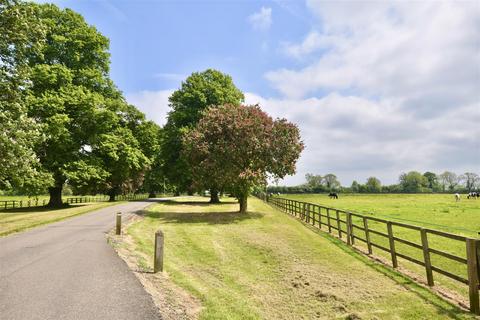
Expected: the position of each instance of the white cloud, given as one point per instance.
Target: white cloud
(400, 84)
(313, 41)
(261, 20)
(408, 51)
(355, 138)
(153, 103)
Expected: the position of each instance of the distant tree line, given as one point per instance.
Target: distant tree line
(410, 182)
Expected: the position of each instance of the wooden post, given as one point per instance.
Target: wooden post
(473, 282)
(426, 257)
(307, 212)
(158, 260)
(349, 229)
(320, 217)
(339, 225)
(392, 244)
(328, 221)
(119, 224)
(367, 235)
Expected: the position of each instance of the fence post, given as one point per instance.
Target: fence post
(338, 225)
(328, 221)
(473, 282)
(119, 224)
(158, 260)
(320, 217)
(392, 244)
(367, 235)
(426, 257)
(349, 229)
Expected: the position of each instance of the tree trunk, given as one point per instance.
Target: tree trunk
(152, 195)
(243, 204)
(214, 196)
(55, 196)
(112, 195)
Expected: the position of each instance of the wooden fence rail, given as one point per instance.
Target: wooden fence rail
(124, 197)
(12, 204)
(332, 219)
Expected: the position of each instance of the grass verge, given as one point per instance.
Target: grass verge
(266, 265)
(16, 220)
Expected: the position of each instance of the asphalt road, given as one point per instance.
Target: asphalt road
(67, 270)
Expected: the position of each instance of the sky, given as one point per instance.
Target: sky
(377, 88)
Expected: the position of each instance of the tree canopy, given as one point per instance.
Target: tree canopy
(65, 116)
(21, 35)
(236, 147)
(199, 91)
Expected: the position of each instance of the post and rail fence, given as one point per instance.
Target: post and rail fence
(12, 204)
(30, 203)
(341, 223)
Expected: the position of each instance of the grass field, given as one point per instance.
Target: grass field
(15, 220)
(433, 211)
(18, 198)
(266, 265)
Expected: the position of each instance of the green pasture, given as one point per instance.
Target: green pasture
(19, 219)
(432, 211)
(24, 198)
(266, 265)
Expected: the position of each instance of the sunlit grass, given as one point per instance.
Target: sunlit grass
(433, 211)
(266, 265)
(15, 220)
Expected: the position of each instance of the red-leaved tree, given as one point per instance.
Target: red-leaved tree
(237, 147)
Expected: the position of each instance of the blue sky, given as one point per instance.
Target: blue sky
(155, 44)
(376, 87)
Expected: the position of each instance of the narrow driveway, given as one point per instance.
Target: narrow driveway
(67, 270)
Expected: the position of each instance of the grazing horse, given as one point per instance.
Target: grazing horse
(457, 197)
(473, 195)
(333, 195)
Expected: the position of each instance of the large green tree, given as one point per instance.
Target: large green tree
(91, 137)
(432, 180)
(199, 91)
(21, 34)
(412, 181)
(373, 185)
(238, 147)
(70, 83)
(331, 182)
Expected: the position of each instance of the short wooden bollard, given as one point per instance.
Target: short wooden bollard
(158, 259)
(119, 224)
